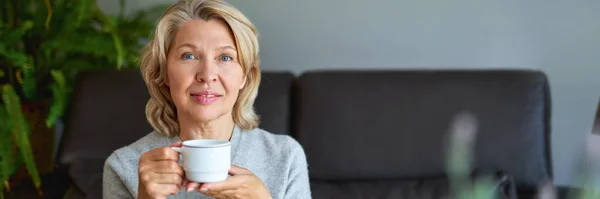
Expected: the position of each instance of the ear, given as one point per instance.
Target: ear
(244, 82)
(167, 80)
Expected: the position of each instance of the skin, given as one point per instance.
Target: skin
(202, 57)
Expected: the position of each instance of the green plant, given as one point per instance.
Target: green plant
(44, 44)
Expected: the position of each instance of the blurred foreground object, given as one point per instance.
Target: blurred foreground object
(589, 176)
(463, 134)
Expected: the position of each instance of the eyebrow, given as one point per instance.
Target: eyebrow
(226, 47)
(192, 46)
(186, 45)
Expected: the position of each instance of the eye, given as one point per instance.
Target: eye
(225, 58)
(188, 56)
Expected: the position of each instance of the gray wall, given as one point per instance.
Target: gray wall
(560, 37)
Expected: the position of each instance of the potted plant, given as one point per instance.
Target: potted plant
(44, 44)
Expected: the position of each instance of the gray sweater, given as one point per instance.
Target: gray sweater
(278, 160)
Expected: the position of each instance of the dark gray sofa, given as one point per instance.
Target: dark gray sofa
(366, 134)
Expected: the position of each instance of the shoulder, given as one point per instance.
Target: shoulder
(284, 144)
(277, 160)
(132, 152)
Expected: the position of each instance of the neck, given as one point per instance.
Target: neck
(218, 129)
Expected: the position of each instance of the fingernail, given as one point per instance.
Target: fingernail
(189, 189)
(203, 189)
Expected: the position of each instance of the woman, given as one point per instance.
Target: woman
(202, 72)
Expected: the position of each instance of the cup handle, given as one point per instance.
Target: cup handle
(178, 149)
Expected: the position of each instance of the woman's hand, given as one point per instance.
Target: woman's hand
(160, 173)
(241, 184)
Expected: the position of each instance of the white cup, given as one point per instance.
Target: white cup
(205, 160)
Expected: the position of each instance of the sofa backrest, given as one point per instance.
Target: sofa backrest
(107, 112)
(374, 125)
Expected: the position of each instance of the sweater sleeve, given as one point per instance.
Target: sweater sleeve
(298, 181)
(112, 185)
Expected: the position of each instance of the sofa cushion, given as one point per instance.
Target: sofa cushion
(273, 103)
(392, 124)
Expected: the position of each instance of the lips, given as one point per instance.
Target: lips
(206, 97)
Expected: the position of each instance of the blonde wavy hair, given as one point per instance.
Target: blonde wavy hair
(160, 109)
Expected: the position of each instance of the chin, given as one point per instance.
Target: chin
(206, 115)
(204, 119)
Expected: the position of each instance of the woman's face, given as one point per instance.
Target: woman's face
(203, 71)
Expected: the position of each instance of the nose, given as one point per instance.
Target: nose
(207, 72)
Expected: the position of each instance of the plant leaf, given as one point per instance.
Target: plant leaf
(59, 92)
(118, 44)
(20, 131)
(7, 162)
(26, 26)
(119, 48)
(15, 58)
(85, 7)
(10, 36)
(29, 81)
(83, 43)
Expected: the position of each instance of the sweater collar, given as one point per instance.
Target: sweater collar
(235, 139)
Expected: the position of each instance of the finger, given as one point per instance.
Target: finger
(161, 178)
(225, 194)
(166, 189)
(185, 183)
(235, 170)
(164, 166)
(176, 144)
(163, 153)
(233, 182)
(161, 190)
(192, 186)
(166, 178)
(167, 166)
